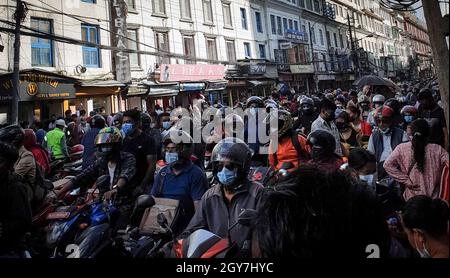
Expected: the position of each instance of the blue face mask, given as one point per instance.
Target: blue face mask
(369, 179)
(408, 118)
(171, 157)
(166, 125)
(127, 128)
(226, 177)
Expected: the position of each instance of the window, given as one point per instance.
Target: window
(259, 27)
(227, 15)
(244, 19)
(285, 24)
(304, 29)
(273, 24)
(279, 27)
(41, 49)
(309, 5)
(132, 44)
(131, 4)
(295, 25)
(231, 51)
(328, 39)
(341, 40)
(211, 48)
(313, 36)
(159, 7)
(247, 50)
(189, 48)
(91, 55)
(262, 51)
(185, 8)
(290, 24)
(302, 3)
(340, 11)
(335, 40)
(321, 36)
(89, 1)
(316, 6)
(207, 11)
(162, 44)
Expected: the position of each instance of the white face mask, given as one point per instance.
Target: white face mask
(424, 252)
(369, 179)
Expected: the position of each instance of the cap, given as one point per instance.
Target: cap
(387, 111)
(60, 122)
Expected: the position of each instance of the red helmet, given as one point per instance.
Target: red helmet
(77, 150)
(409, 109)
(30, 138)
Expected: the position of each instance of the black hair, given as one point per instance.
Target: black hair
(344, 115)
(82, 112)
(354, 110)
(359, 157)
(420, 130)
(430, 215)
(319, 215)
(327, 104)
(133, 114)
(9, 152)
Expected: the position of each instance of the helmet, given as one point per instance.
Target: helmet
(117, 119)
(98, 121)
(108, 135)
(255, 101)
(378, 99)
(30, 139)
(394, 104)
(329, 96)
(424, 94)
(307, 100)
(300, 97)
(270, 104)
(321, 142)
(12, 134)
(363, 99)
(77, 150)
(60, 122)
(384, 111)
(285, 121)
(145, 118)
(235, 150)
(409, 109)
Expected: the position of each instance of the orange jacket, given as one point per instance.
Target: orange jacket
(286, 152)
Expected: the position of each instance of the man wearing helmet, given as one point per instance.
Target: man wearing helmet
(377, 101)
(291, 147)
(180, 179)
(88, 141)
(220, 206)
(119, 165)
(307, 115)
(385, 137)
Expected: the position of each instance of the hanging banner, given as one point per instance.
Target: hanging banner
(119, 39)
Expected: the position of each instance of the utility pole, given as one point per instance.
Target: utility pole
(19, 17)
(312, 57)
(437, 32)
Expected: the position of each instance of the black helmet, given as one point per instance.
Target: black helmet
(12, 134)
(284, 119)
(255, 101)
(424, 94)
(98, 121)
(322, 143)
(394, 104)
(117, 119)
(146, 119)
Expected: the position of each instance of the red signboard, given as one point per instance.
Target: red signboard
(191, 72)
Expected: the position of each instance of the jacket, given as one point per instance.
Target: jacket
(55, 142)
(286, 152)
(25, 166)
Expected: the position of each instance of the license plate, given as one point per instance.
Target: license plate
(58, 215)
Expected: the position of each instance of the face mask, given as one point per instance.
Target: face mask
(166, 125)
(253, 111)
(307, 110)
(105, 151)
(152, 125)
(159, 111)
(424, 252)
(171, 157)
(369, 179)
(226, 177)
(127, 128)
(408, 118)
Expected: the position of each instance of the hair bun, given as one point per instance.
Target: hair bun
(440, 207)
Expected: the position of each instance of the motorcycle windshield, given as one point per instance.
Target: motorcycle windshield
(199, 242)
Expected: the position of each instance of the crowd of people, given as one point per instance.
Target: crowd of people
(343, 147)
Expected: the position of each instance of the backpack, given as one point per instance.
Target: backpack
(296, 143)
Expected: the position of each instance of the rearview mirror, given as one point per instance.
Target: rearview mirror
(247, 217)
(145, 201)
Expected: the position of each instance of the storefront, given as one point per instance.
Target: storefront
(303, 77)
(103, 97)
(326, 81)
(136, 97)
(162, 94)
(41, 94)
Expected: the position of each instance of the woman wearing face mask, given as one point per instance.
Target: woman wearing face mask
(349, 137)
(363, 166)
(409, 114)
(418, 164)
(425, 221)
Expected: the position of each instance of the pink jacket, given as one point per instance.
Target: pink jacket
(398, 163)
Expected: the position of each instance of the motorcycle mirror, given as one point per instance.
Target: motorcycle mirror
(247, 217)
(162, 220)
(145, 201)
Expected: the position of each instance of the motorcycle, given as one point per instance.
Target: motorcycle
(72, 166)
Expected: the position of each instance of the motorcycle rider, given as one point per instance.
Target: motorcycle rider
(377, 101)
(88, 141)
(39, 153)
(55, 141)
(323, 155)
(220, 206)
(119, 165)
(307, 116)
(291, 147)
(25, 165)
(180, 179)
(15, 210)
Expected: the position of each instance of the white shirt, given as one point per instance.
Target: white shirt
(111, 169)
(387, 147)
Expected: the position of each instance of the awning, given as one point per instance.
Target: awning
(256, 83)
(163, 90)
(135, 91)
(189, 87)
(216, 85)
(101, 83)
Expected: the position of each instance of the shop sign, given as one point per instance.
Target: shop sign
(325, 77)
(36, 86)
(309, 68)
(253, 69)
(121, 58)
(186, 87)
(190, 72)
(216, 86)
(295, 36)
(285, 45)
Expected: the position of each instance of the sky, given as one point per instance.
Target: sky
(444, 9)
